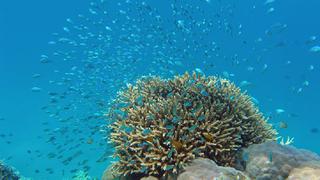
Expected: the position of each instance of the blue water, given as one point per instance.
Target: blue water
(266, 52)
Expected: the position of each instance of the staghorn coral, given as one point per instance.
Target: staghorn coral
(158, 126)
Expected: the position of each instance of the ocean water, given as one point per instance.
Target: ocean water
(62, 63)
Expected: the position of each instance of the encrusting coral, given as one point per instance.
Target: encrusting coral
(160, 125)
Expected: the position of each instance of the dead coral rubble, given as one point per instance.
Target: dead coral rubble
(160, 125)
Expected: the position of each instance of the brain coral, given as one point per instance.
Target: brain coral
(158, 125)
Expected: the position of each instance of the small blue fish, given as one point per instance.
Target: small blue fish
(245, 156)
(198, 70)
(201, 118)
(187, 104)
(139, 100)
(315, 49)
(192, 128)
(176, 119)
(204, 93)
(36, 89)
(270, 156)
(146, 132)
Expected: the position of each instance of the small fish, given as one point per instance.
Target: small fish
(280, 111)
(51, 155)
(269, 2)
(311, 40)
(225, 74)
(265, 67)
(73, 170)
(314, 130)
(293, 115)
(149, 139)
(315, 49)
(177, 145)
(270, 10)
(207, 136)
(178, 63)
(245, 156)
(270, 156)
(44, 61)
(89, 141)
(250, 68)
(108, 28)
(52, 42)
(36, 75)
(198, 70)
(283, 125)
(311, 67)
(66, 29)
(245, 83)
(36, 89)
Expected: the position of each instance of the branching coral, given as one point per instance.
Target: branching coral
(160, 125)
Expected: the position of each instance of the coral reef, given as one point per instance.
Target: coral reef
(7, 173)
(160, 125)
(275, 161)
(266, 161)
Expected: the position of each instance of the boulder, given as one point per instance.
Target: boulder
(312, 173)
(206, 169)
(274, 161)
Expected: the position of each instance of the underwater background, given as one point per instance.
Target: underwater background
(62, 63)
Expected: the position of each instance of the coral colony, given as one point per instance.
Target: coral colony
(160, 125)
(7, 173)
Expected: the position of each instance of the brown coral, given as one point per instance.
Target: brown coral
(160, 125)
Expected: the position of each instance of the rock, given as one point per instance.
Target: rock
(149, 178)
(207, 169)
(274, 161)
(108, 175)
(312, 173)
